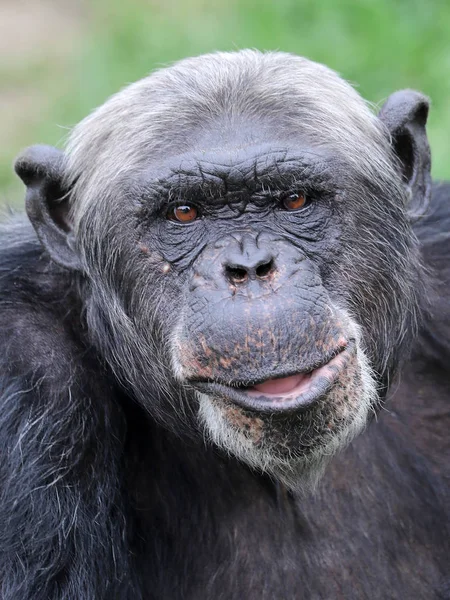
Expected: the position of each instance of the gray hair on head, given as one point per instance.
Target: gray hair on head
(156, 114)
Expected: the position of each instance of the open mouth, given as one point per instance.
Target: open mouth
(286, 393)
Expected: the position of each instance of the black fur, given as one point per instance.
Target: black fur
(97, 501)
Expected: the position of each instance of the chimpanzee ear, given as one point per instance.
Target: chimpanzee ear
(47, 202)
(405, 115)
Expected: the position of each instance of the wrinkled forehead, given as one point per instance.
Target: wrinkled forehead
(258, 167)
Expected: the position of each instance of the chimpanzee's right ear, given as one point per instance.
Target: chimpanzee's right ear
(48, 203)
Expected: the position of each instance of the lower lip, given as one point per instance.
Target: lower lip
(310, 389)
(284, 387)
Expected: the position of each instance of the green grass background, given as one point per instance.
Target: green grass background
(378, 45)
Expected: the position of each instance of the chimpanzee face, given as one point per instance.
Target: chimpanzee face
(246, 247)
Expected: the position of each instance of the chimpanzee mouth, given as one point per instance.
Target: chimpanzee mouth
(285, 393)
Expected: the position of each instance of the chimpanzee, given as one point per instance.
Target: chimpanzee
(217, 284)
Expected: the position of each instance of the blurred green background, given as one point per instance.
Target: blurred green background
(60, 58)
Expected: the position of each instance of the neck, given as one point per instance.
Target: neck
(195, 506)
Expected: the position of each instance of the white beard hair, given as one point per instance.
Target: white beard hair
(297, 472)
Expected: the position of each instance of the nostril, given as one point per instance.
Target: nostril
(236, 274)
(265, 269)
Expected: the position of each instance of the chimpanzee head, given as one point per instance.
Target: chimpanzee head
(240, 225)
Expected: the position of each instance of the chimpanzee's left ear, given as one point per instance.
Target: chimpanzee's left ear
(48, 202)
(405, 115)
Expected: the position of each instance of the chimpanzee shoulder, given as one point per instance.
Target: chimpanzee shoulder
(418, 408)
(40, 312)
(433, 231)
(61, 432)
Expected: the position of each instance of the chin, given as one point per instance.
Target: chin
(290, 427)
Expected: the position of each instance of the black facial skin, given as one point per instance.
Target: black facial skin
(242, 225)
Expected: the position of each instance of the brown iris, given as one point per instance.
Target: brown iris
(295, 201)
(183, 213)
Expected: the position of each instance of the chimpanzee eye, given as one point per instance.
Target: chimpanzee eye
(183, 213)
(295, 201)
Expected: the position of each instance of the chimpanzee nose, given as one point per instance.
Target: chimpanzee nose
(250, 262)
